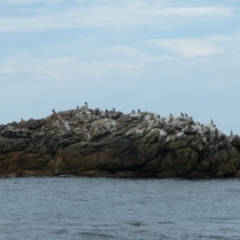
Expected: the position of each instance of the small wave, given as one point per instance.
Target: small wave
(165, 222)
(96, 235)
(60, 231)
(216, 236)
(135, 224)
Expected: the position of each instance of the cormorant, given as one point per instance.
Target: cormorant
(158, 116)
(77, 107)
(186, 115)
(113, 109)
(86, 103)
(21, 119)
(138, 110)
(106, 110)
(231, 132)
(133, 111)
(170, 115)
(211, 121)
(182, 114)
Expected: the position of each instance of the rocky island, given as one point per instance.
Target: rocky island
(91, 142)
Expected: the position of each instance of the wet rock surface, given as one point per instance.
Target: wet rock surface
(91, 142)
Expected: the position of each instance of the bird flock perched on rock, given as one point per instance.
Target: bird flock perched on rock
(133, 111)
(139, 111)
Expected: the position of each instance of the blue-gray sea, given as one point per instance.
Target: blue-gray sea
(104, 208)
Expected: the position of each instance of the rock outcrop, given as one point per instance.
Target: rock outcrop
(91, 142)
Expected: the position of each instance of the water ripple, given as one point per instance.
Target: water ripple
(99, 208)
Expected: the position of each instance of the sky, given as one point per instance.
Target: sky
(163, 56)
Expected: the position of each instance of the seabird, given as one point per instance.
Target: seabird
(86, 103)
(106, 110)
(182, 114)
(170, 115)
(138, 110)
(113, 109)
(211, 121)
(54, 111)
(158, 116)
(77, 107)
(231, 132)
(133, 111)
(21, 119)
(186, 115)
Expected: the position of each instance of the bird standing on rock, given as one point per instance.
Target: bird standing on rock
(186, 115)
(113, 109)
(54, 111)
(106, 110)
(231, 132)
(77, 107)
(138, 110)
(182, 114)
(86, 103)
(133, 111)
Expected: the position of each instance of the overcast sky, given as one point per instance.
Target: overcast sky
(157, 55)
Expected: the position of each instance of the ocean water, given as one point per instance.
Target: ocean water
(103, 208)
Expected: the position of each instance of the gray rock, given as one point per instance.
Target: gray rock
(87, 142)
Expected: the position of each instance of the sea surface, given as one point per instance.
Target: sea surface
(103, 208)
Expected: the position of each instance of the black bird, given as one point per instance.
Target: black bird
(106, 110)
(86, 103)
(113, 109)
(54, 111)
(186, 115)
(21, 119)
(170, 115)
(231, 132)
(158, 116)
(133, 111)
(77, 107)
(182, 114)
(138, 110)
(211, 121)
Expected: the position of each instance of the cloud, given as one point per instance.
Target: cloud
(126, 59)
(188, 47)
(29, 2)
(108, 15)
(196, 11)
(63, 70)
(230, 42)
(124, 50)
(18, 2)
(192, 47)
